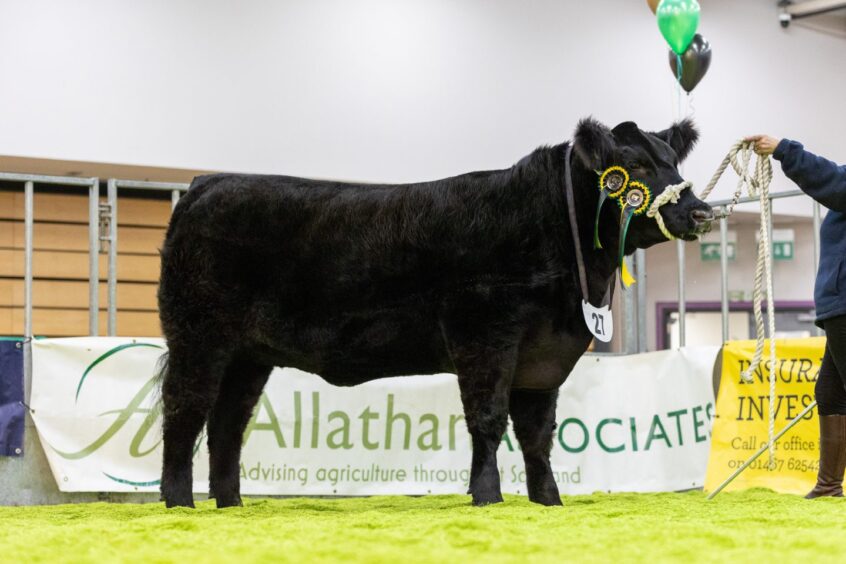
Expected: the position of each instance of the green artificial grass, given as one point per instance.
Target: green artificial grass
(741, 527)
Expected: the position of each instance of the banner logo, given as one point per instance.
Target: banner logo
(134, 407)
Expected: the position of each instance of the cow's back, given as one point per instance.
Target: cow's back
(347, 243)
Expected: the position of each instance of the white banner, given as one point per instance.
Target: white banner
(625, 423)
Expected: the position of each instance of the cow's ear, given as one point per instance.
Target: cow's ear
(682, 136)
(593, 144)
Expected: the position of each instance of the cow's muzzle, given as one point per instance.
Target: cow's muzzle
(701, 220)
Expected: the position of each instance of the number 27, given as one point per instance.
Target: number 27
(599, 329)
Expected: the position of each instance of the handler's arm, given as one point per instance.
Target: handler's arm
(820, 178)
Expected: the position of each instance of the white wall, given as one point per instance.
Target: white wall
(792, 280)
(389, 90)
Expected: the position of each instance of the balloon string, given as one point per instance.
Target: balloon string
(691, 111)
(678, 85)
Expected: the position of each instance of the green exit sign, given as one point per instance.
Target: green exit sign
(783, 244)
(782, 250)
(711, 251)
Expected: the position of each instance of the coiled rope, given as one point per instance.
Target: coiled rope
(757, 185)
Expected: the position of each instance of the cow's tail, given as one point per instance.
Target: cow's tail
(162, 366)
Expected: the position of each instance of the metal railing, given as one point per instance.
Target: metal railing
(99, 213)
(93, 184)
(722, 215)
(634, 301)
(112, 187)
(29, 181)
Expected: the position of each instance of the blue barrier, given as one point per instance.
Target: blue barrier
(11, 398)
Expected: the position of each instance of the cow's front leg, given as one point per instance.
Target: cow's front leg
(484, 357)
(533, 414)
(484, 394)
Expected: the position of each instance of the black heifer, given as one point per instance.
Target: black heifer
(474, 275)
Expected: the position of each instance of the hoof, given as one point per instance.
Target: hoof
(548, 501)
(229, 501)
(179, 503)
(546, 494)
(482, 500)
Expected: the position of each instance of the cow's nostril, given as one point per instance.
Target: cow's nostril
(702, 216)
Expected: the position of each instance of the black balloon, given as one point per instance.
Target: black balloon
(695, 62)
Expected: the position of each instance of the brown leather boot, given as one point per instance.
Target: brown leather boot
(832, 457)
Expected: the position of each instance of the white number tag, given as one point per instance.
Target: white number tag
(599, 321)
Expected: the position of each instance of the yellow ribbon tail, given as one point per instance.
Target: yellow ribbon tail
(626, 276)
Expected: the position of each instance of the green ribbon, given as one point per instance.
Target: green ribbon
(603, 195)
(626, 278)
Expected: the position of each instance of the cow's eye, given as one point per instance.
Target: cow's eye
(636, 165)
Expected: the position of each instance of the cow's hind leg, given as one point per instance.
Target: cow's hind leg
(533, 414)
(239, 392)
(190, 385)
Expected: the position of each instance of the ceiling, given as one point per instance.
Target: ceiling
(831, 22)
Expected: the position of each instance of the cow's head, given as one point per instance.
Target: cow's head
(652, 159)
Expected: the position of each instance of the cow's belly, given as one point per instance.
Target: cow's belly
(547, 358)
(352, 348)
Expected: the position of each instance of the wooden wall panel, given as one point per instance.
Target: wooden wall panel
(60, 264)
(73, 208)
(74, 294)
(74, 237)
(150, 213)
(74, 322)
(70, 265)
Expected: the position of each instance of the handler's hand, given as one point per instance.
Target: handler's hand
(764, 144)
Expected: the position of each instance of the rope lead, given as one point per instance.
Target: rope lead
(739, 157)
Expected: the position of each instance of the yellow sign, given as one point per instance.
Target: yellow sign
(742, 420)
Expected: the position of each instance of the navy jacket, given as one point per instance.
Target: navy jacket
(825, 182)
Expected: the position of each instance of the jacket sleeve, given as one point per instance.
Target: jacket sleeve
(820, 178)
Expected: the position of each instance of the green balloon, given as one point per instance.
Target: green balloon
(678, 20)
